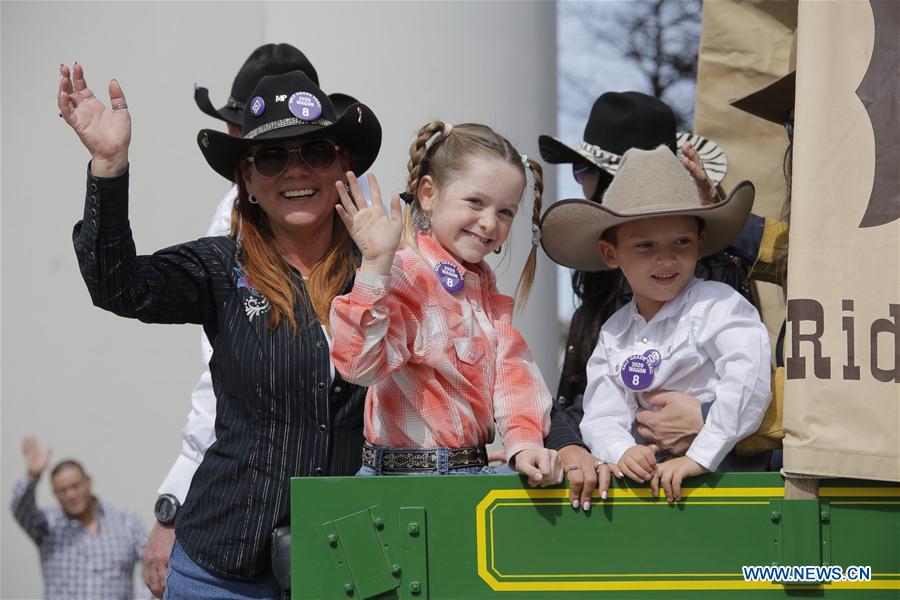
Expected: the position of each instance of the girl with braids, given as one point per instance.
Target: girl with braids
(425, 327)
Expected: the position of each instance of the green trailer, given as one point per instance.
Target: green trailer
(488, 536)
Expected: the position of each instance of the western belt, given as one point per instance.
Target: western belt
(397, 460)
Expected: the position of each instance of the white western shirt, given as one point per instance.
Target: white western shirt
(714, 347)
(199, 432)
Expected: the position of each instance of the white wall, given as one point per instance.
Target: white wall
(112, 392)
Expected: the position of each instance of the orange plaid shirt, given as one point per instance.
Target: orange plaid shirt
(441, 367)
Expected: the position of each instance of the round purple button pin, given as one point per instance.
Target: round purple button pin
(637, 373)
(305, 106)
(257, 106)
(449, 276)
(654, 357)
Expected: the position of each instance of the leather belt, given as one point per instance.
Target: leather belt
(420, 459)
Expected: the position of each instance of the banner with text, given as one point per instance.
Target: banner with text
(842, 398)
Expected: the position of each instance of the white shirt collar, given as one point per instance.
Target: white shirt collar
(670, 309)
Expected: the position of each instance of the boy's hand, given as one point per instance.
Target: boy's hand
(540, 465)
(671, 473)
(638, 463)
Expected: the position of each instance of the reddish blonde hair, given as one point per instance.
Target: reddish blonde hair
(271, 274)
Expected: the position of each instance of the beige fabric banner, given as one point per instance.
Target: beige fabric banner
(744, 46)
(842, 398)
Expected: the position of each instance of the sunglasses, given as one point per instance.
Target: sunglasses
(272, 161)
(789, 128)
(579, 172)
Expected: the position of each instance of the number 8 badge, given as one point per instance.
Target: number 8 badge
(637, 372)
(305, 106)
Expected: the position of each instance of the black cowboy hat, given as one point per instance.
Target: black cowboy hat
(342, 101)
(269, 59)
(620, 121)
(291, 106)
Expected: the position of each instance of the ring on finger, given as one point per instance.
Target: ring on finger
(91, 97)
(598, 464)
(120, 106)
(572, 467)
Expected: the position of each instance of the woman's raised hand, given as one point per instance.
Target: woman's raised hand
(706, 189)
(376, 235)
(105, 132)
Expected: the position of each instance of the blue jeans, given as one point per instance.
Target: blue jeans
(186, 580)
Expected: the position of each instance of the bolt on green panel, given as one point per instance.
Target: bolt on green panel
(413, 553)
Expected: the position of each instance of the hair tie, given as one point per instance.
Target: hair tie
(448, 129)
(406, 197)
(525, 161)
(535, 234)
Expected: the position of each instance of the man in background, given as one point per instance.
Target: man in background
(88, 549)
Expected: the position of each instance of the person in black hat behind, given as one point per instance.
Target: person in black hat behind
(620, 121)
(199, 430)
(268, 59)
(262, 295)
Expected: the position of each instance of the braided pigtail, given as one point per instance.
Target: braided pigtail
(526, 280)
(417, 168)
(417, 153)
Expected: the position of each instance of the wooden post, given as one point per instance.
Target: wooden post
(801, 489)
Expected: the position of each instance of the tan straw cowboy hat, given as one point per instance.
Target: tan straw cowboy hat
(649, 183)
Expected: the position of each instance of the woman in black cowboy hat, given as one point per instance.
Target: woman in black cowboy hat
(262, 295)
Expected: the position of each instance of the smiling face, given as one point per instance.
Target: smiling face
(299, 198)
(471, 215)
(657, 257)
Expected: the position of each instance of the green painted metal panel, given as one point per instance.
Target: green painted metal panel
(775, 531)
(363, 553)
(413, 565)
(863, 526)
(800, 533)
(493, 537)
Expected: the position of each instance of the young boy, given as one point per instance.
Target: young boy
(679, 333)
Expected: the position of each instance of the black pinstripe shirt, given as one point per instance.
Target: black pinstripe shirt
(279, 414)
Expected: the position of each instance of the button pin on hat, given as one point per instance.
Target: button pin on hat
(305, 106)
(257, 106)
